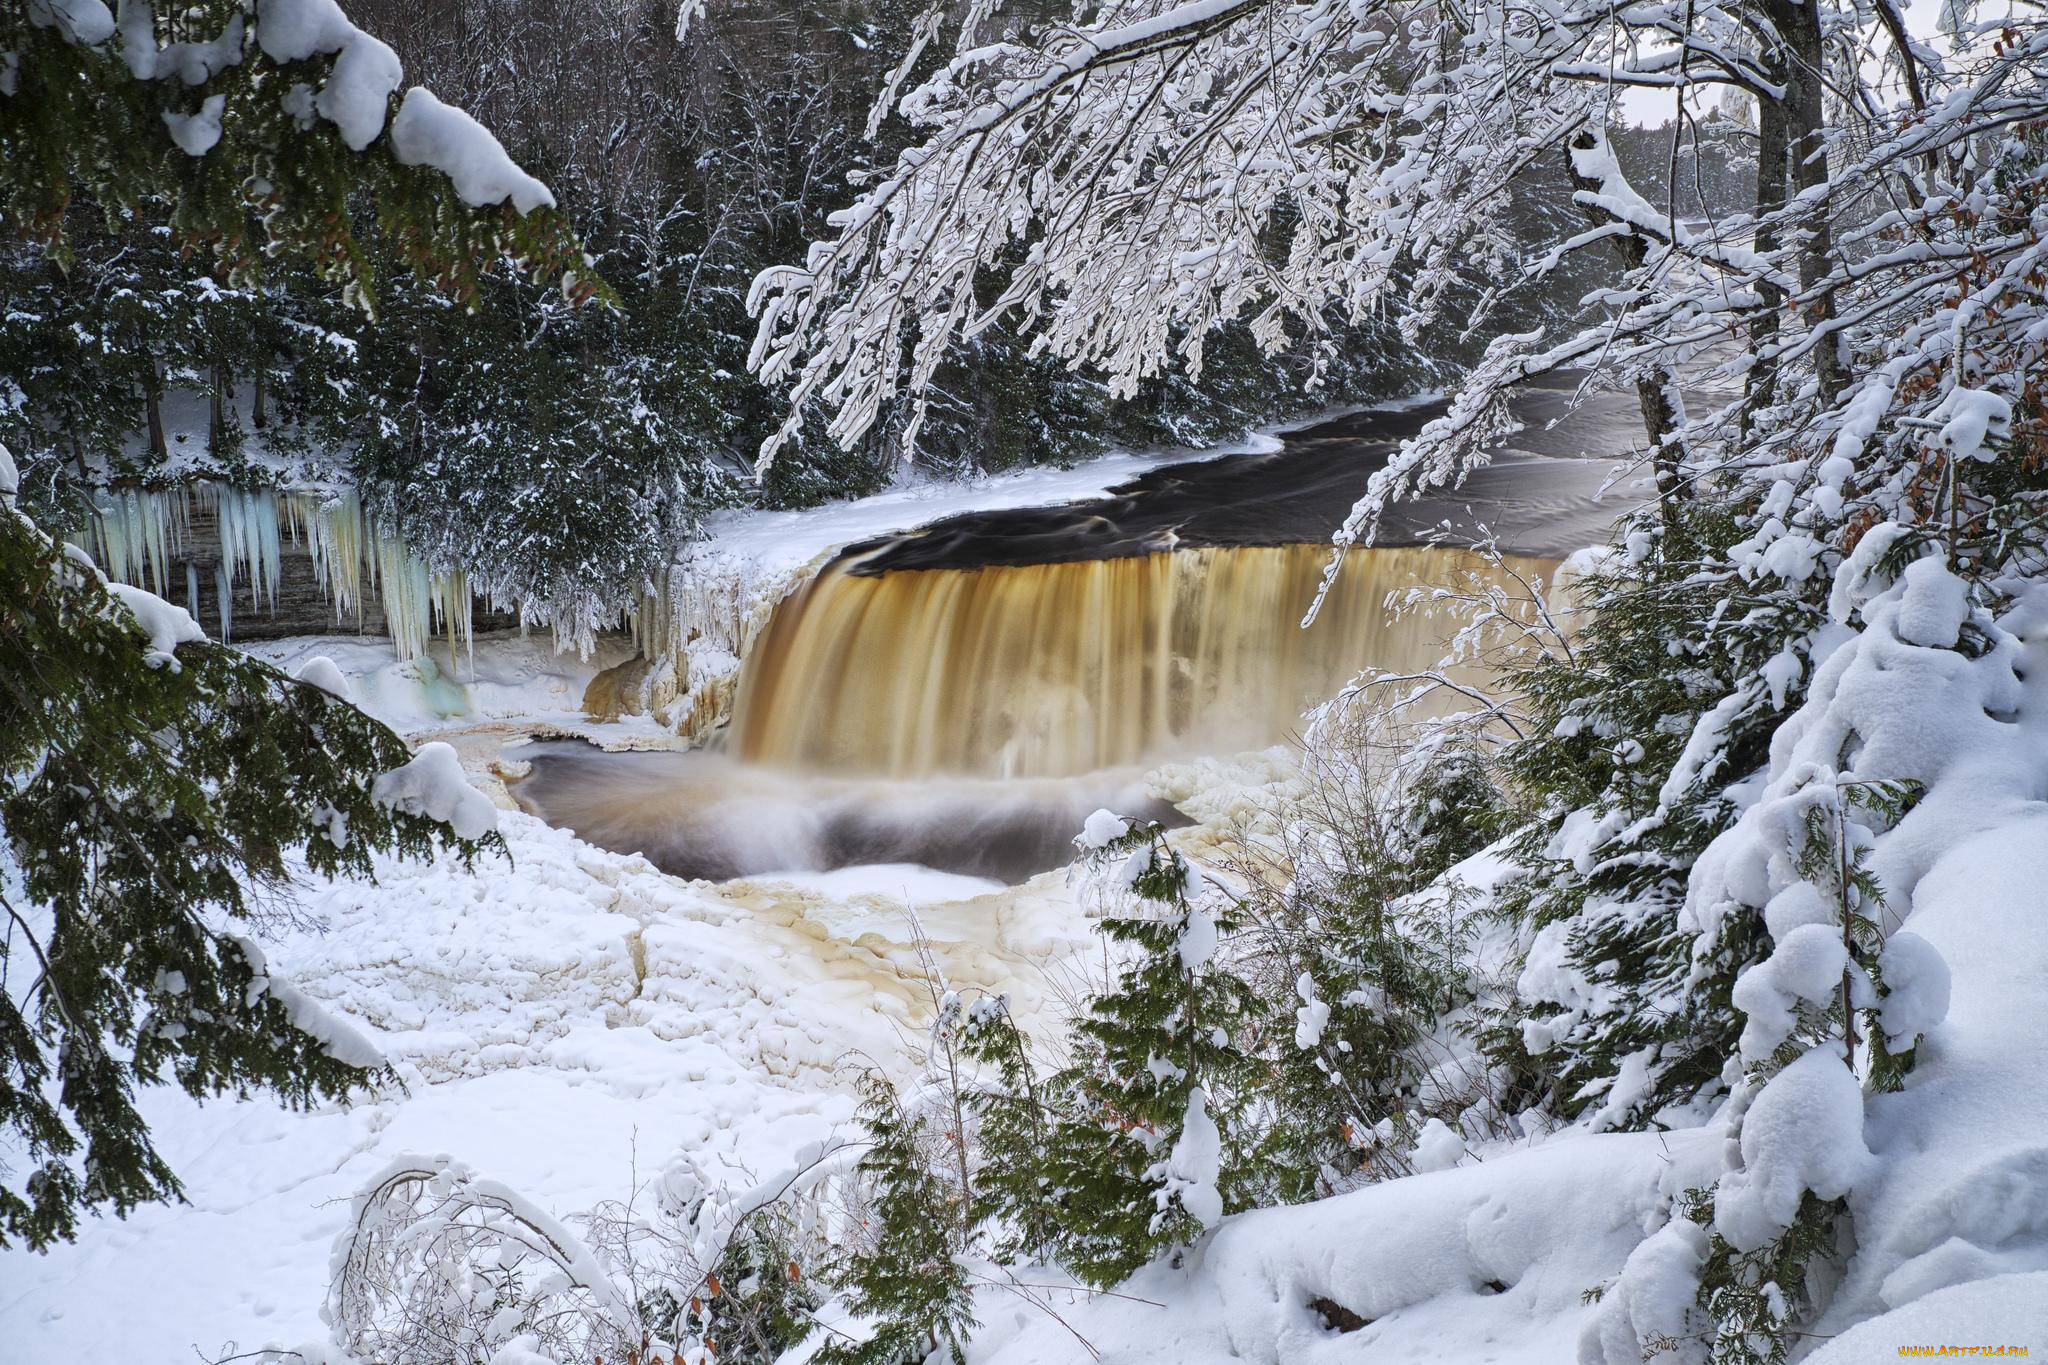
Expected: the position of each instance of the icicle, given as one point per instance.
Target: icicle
(192, 589)
(249, 539)
(452, 607)
(224, 587)
(408, 596)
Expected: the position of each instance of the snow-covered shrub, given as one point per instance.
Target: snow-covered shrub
(1352, 921)
(907, 1274)
(1673, 681)
(730, 1272)
(437, 1266)
(1150, 1134)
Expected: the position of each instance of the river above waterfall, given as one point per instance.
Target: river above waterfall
(1543, 495)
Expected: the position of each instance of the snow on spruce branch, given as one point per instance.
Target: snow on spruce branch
(355, 96)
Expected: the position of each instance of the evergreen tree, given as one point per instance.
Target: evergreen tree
(1624, 1022)
(153, 787)
(1353, 924)
(1149, 1147)
(907, 1276)
(1013, 1126)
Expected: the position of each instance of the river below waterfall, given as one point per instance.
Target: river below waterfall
(960, 694)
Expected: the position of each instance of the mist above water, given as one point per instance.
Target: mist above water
(704, 815)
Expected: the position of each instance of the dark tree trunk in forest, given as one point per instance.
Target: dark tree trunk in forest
(216, 410)
(1792, 163)
(153, 406)
(1763, 326)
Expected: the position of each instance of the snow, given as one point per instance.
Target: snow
(2001, 1310)
(1102, 828)
(337, 1037)
(1970, 418)
(85, 21)
(1487, 1262)
(1805, 968)
(1655, 1297)
(1934, 605)
(1916, 982)
(430, 133)
(563, 1022)
(167, 626)
(366, 72)
(323, 673)
(196, 133)
(1804, 1131)
(432, 784)
(1197, 943)
(1312, 1017)
(1192, 1169)
(10, 477)
(1437, 1148)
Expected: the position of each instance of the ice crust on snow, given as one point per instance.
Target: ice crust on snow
(433, 785)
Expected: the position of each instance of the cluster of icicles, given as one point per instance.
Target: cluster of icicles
(138, 536)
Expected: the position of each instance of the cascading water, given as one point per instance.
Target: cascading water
(1054, 670)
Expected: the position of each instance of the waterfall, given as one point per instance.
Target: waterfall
(1051, 670)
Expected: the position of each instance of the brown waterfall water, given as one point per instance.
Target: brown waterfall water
(1060, 669)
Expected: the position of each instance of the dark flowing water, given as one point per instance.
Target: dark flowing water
(1540, 496)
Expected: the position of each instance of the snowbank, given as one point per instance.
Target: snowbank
(1485, 1262)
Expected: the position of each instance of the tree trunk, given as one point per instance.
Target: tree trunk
(1657, 392)
(1762, 385)
(153, 407)
(216, 413)
(1798, 143)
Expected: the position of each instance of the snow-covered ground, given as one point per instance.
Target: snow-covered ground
(565, 1021)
